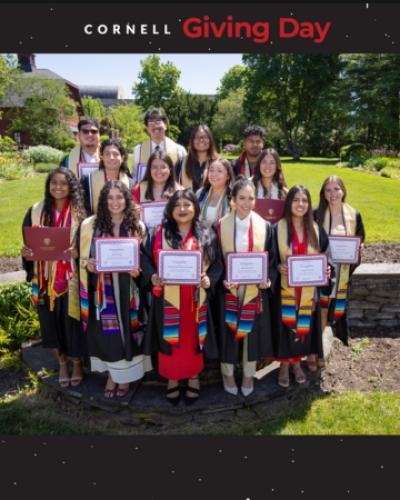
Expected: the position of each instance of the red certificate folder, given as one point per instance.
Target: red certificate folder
(270, 210)
(48, 243)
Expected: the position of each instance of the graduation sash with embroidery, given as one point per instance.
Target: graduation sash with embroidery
(222, 205)
(75, 157)
(56, 278)
(343, 270)
(245, 168)
(96, 183)
(171, 149)
(171, 293)
(106, 310)
(240, 319)
(297, 319)
(184, 179)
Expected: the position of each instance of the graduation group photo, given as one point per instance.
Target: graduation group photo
(209, 237)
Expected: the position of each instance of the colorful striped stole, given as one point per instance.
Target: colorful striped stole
(245, 168)
(222, 205)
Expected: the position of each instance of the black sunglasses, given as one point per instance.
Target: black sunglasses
(87, 131)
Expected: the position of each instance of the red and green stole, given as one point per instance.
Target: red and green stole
(245, 168)
(343, 270)
(76, 157)
(97, 179)
(295, 316)
(106, 310)
(60, 277)
(240, 319)
(222, 206)
(172, 305)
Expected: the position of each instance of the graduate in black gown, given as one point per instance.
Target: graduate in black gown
(55, 290)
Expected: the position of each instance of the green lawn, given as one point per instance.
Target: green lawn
(377, 198)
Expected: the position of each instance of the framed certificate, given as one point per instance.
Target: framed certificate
(247, 268)
(141, 171)
(152, 213)
(48, 243)
(85, 169)
(180, 267)
(270, 210)
(117, 254)
(344, 249)
(307, 270)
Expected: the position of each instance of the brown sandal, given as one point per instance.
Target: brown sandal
(299, 376)
(283, 377)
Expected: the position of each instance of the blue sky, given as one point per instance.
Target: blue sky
(200, 73)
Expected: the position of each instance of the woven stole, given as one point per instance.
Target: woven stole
(222, 206)
(172, 307)
(75, 157)
(54, 270)
(97, 179)
(170, 147)
(240, 319)
(298, 320)
(86, 236)
(343, 270)
(245, 168)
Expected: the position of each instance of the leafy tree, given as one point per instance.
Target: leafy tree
(157, 82)
(229, 119)
(93, 108)
(233, 79)
(8, 73)
(128, 121)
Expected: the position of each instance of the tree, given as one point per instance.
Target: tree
(289, 88)
(93, 108)
(128, 121)
(45, 107)
(233, 79)
(229, 119)
(8, 73)
(157, 82)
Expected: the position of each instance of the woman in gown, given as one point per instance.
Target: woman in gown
(296, 318)
(112, 167)
(338, 218)
(159, 180)
(55, 290)
(201, 152)
(214, 197)
(180, 325)
(245, 313)
(112, 310)
(268, 176)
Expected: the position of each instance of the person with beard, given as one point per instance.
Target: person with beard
(253, 144)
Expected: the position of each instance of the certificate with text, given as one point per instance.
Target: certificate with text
(48, 243)
(117, 254)
(307, 270)
(247, 268)
(152, 213)
(344, 249)
(180, 267)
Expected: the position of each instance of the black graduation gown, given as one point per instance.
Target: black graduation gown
(260, 342)
(287, 344)
(108, 347)
(154, 341)
(58, 330)
(198, 174)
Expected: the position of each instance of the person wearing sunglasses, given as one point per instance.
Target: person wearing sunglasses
(87, 149)
(156, 123)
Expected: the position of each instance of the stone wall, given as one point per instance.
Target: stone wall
(374, 307)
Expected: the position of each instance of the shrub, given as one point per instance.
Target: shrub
(376, 164)
(14, 167)
(343, 164)
(355, 154)
(391, 172)
(7, 145)
(44, 167)
(44, 154)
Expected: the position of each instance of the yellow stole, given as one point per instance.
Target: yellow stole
(74, 158)
(227, 236)
(143, 189)
(96, 184)
(186, 182)
(170, 149)
(73, 289)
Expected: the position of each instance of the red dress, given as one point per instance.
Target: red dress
(185, 360)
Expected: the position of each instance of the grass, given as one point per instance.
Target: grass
(376, 198)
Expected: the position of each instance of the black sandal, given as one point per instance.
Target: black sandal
(189, 400)
(175, 400)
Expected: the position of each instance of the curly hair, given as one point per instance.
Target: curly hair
(130, 220)
(169, 186)
(117, 143)
(278, 177)
(75, 195)
(205, 235)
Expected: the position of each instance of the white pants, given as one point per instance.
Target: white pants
(249, 367)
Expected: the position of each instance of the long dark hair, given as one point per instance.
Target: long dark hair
(201, 231)
(75, 195)
(278, 177)
(191, 158)
(230, 181)
(117, 143)
(169, 186)
(131, 218)
(308, 219)
(323, 203)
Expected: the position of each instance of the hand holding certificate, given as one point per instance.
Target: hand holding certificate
(247, 268)
(180, 267)
(270, 210)
(117, 254)
(345, 249)
(307, 270)
(47, 243)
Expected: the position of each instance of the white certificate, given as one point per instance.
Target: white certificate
(152, 213)
(307, 270)
(344, 249)
(247, 268)
(86, 169)
(180, 267)
(117, 254)
(141, 171)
